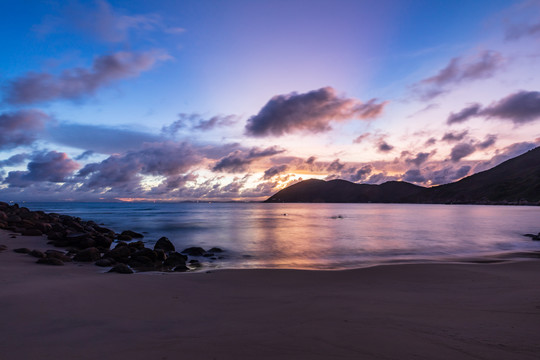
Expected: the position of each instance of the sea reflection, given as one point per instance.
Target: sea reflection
(322, 236)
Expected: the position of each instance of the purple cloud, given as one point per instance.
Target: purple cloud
(383, 146)
(196, 122)
(463, 115)
(310, 112)
(483, 66)
(79, 82)
(414, 176)
(489, 141)
(454, 136)
(419, 159)
(362, 173)
(44, 167)
(275, 170)
(239, 160)
(361, 138)
(14, 160)
(21, 127)
(461, 150)
(520, 108)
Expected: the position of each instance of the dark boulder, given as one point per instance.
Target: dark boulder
(137, 245)
(55, 254)
(87, 255)
(50, 261)
(145, 252)
(175, 259)
(195, 263)
(164, 244)
(102, 241)
(122, 237)
(181, 268)
(119, 253)
(3, 248)
(22, 250)
(105, 262)
(121, 269)
(194, 251)
(160, 254)
(132, 234)
(36, 253)
(215, 250)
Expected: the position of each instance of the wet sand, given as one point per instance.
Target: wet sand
(414, 311)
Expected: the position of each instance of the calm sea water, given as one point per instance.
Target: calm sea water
(321, 236)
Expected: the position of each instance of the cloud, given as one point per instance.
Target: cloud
(239, 160)
(419, 159)
(335, 166)
(454, 136)
(447, 175)
(44, 167)
(361, 174)
(124, 171)
(489, 141)
(14, 160)
(383, 146)
(101, 21)
(430, 141)
(482, 66)
(275, 170)
(361, 138)
(99, 138)
(21, 127)
(520, 108)
(309, 112)
(516, 32)
(414, 175)
(85, 155)
(196, 122)
(507, 153)
(461, 150)
(80, 82)
(463, 115)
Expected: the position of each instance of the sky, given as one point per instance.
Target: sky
(234, 100)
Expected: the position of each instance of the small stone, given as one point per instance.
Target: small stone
(194, 251)
(55, 254)
(36, 253)
(124, 237)
(3, 248)
(132, 234)
(50, 261)
(215, 250)
(121, 269)
(105, 262)
(87, 255)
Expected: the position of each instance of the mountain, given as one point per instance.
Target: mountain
(514, 181)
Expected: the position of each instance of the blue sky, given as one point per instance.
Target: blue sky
(168, 100)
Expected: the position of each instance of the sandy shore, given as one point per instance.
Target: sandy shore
(423, 311)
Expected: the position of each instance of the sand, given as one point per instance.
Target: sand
(415, 311)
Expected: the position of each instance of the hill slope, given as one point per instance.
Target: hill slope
(515, 180)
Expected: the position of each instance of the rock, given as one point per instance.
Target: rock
(160, 254)
(102, 241)
(164, 244)
(121, 237)
(55, 254)
(208, 254)
(195, 263)
(132, 234)
(175, 259)
(145, 252)
(3, 216)
(14, 219)
(50, 261)
(87, 255)
(119, 253)
(36, 253)
(194, 251)
(181, 268)
(215, 250)
(137, 245)
(22, 250)
(121, 269)
(3, 248)
(105, 262)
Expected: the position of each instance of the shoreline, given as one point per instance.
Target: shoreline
(431, 311)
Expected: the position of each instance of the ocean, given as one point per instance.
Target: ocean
(322, 236)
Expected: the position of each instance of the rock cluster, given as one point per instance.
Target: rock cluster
(87, 241)
(533, 236)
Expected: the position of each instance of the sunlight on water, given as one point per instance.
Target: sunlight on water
(322, 236)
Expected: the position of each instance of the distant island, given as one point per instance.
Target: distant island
(513, 182)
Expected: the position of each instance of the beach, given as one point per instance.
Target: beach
(414, 311)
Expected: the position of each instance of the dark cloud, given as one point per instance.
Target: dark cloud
(454, 136)
(311, 160)
(383, 146)
(430, 141)
(462, 172)
(85, 155)
(14, 160)
(447, 175)
(489, 141)
(79, 82)
(419, 159)
(101, 21)
(43, 167)
(507, 153)
(275, 170)
(463, 115)
(124, 171)
(516, 32)
(461, 150)
(239, 160)
(21, 127)
(196, 122)
(361, 174)
(414, 176)
(311, 112)
(458, 70)
(520, 108)
(99, 138)
(335, 166)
